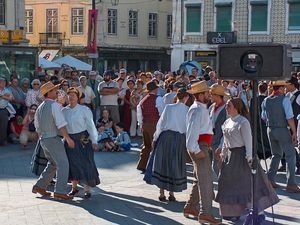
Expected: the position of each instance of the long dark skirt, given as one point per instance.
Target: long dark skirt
(166, 166)
(39, 160)
(81, 160)
(235, 186)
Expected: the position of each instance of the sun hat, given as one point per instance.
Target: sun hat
(49, 86)
(198, 87)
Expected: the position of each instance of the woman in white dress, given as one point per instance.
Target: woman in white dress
(82, 130)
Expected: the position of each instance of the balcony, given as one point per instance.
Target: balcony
(50, 38)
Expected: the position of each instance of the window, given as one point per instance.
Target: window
(133, 23)
(52, 20)
(193, 18)
(77, 21)
(2, 12)
(223, 17)
(294, 15)
(112, 21)
(169, 26)
(29, 21)
(259, 16)
(152, 29)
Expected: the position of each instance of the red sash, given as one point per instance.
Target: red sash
(207, 138)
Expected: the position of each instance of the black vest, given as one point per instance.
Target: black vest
(295, 106)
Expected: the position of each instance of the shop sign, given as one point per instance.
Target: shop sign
(16, 35)
(221, 38)
(205, 53)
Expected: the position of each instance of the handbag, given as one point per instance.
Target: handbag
(31, 126)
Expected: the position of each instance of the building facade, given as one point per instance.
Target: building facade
(134, 34)
(58, 27)
(201, 25)
(15, 55)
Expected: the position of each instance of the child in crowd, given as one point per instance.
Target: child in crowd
(105, 140)
(123, 140)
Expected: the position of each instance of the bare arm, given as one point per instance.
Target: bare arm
(292, 126)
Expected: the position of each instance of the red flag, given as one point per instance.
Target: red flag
(92, 30)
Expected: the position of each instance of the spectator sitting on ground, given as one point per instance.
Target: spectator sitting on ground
(28, 132)
(105, 141)
(123, 140)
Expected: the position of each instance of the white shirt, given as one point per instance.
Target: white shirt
(237, 133)
(159, 104)
(169, 97)
(108, 99)
(290, 95)
(198, 122)
(80, 118)
(169, 119)
(89, 94)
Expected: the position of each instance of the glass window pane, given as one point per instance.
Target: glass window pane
(294, 16)
(193, 19)
(224, 18)
(259, 18)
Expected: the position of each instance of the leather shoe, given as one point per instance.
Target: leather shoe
(87, 195)
(292, 188)
(190, 211)
(73, 192)
(274, 184)
(282, 169)
(205, 218)
(41, 191)
(62, 196)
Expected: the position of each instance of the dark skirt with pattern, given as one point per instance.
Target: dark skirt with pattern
(166, 166)
(81, 160)
(235, 186)
(39, 160)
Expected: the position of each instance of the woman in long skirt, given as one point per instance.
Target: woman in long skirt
(235, 182)
(166, 165)
(82, 130)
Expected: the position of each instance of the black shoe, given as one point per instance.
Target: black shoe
(172, 198)
(87, 195)
(73, 192)
(282, 169)
(162, 198)
(142, 170)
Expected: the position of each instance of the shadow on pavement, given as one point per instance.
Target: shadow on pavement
(124, 209)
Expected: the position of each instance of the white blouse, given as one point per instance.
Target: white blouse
(198, 122)
(169, 120)
(80, 118)
(237, 133)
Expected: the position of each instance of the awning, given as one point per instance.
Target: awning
(49, 54)
(73, 62)
(46, 64)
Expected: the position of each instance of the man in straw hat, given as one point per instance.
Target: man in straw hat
(49, 122)
(218, 115)
(278, 113)
(198, 141)
(148, 112)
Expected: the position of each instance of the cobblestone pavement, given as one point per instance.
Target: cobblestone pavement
(121, 198)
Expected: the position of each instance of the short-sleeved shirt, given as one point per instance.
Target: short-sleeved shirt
(108, 99)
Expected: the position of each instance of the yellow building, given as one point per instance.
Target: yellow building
(58, 26)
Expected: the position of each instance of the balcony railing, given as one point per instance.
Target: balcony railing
(51, 38)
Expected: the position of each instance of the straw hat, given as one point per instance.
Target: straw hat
(49, 86)
(278, 83)
(75, 90)
(218, 89)
(198, 87)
